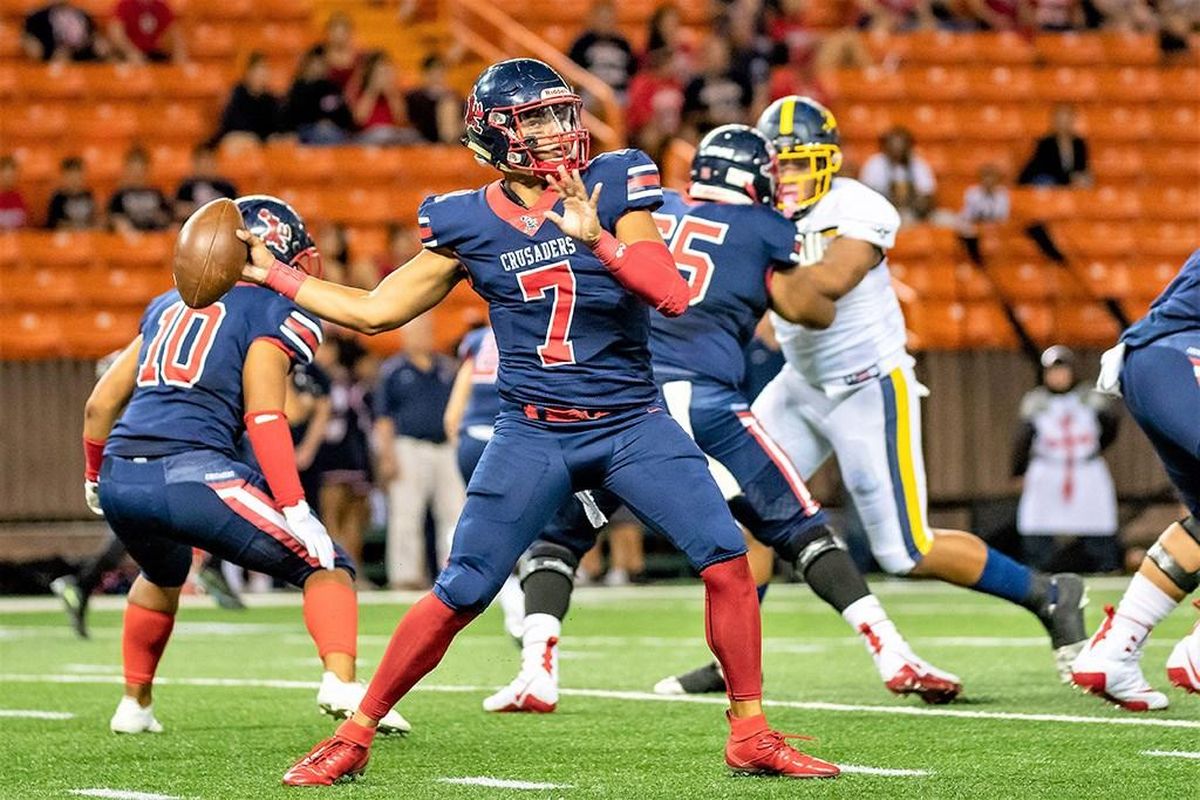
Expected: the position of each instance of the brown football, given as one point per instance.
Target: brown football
(208, 255)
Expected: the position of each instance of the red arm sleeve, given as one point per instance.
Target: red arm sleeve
(647, 270)
(271, 440)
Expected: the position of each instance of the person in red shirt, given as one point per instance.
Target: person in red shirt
(378, 106)
(13, 212)
(145, 30)
(341, 54)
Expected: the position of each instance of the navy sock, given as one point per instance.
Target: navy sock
(762, 591)
(1008, 579)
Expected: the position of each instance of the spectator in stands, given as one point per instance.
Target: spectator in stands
(666, 33)
(315, 107)
(895, 15)
(253, 112)
(60, 31)
(1179, 22)
(434, 108)
(415, 462)
(333, 243)
(1061, 156)
(655, 112)
(900, 175)
(789, 29)
(204, 185)
(751, 57)
(342, 56)
(602, 50)
(717, 96)
(136, 205)
(983, 203)
(72, 206)
(13, 212)
(404, 242)
(998, 15)
(1067, 492)
(1132, 16)
(145, 30)
(377, 104)
(1056, 16)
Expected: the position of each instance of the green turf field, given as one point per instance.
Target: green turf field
(237, 698)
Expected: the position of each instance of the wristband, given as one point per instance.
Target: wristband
(285, 279)
(610, 250)
(93, 454)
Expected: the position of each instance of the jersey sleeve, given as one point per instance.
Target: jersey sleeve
(441, 221)
(469, 347)
(631, 183)
(867, 215)
(296, 332)
(781, 238)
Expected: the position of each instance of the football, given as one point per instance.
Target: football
(208, 255)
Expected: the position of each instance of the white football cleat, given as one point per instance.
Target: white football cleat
(512, 603)
(1183, 667)
(340, 699)
(133, 718)
(534, 692)
(1113, 670)
(904, 673)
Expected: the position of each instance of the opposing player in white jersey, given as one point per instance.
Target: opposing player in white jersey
(850, 389)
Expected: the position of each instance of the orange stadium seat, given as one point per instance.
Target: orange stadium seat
(1173, 163)
(103, 163)
(1179, 123)
(148, 252)
(371, 164)
(1006, 242)
(1086, 324)
(9, 81)
(1025, 281)
(12, 253)
(1179, 84)
(124, 288)
(972, 283)
(925, 241)
(100, 332)
(1077, 49)
(119, 82)
(870, 84)
(41, 288)
(286, 38)
(1118, 123)
(284, 10)
(245, 165)
(10, 39)
(215, 41)
(56, 81)
(37, 164)
(1130, 84)
(182, 122)
(993, 122)
(863, 121)
(33, 123)
(288, 160)
(931, 122)
(1171, 240)
(936, 325)
(1067, 85)
(562, 12)
(60, 249)
(169, 164)
(193, 80)
(1105, 278)
(986, 326)
(1002, 47)
(1093, 239)
(367, 243)
(1037, 319)
(31, 334)
(1118, 162)
(226, 9)
(1130, 48)
(941, 47)
(1111, 203)
(1151, 277)
(1001, 84)
(1040, 203)
(1173, 203)
(105, 122)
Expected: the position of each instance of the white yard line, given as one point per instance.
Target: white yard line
(887, 773)
(21, 713)
(500, 783)
(607, 694)
(1171, 754)
(120, 794)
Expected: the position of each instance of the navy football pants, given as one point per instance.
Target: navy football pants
(1161, 384)
(530, 468)
(163, 507)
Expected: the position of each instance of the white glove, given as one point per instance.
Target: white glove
(91, 493)
(1109, 381)
(309, 531)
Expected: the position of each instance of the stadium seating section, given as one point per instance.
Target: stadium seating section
(970, 99)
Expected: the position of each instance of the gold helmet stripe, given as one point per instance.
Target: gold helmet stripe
(787, 117)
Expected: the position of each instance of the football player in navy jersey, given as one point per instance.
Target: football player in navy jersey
(1156, 366)
(161, 432)
(568, 257)
(737, 253)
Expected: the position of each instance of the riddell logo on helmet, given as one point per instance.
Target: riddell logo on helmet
(555, 91)
(278, 234)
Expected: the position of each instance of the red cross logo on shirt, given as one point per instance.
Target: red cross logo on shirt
(1068, 442)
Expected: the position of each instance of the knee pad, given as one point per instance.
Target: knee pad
(1186, 581)
(544, 556)
(822, 543)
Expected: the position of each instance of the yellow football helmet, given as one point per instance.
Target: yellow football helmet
(806, 136)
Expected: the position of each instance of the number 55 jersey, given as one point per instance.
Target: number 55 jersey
(189, 380)
(569, 335)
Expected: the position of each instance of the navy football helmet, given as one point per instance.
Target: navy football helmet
(806, 135)
(732, 163)
(523, 117)
(282, 231)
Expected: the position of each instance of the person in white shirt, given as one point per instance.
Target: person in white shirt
(900, 175)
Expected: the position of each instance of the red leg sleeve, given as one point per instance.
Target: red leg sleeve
(331, 616)
(143, 639)
(733, 626)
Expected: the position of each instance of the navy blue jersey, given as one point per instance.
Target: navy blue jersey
(189, 379)
(569, 335)
(1176, 309)
(727, 253)
(483, 404)
(415, 398)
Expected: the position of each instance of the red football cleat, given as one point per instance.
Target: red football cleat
(332, 760)
(766, 752)
(932, 686)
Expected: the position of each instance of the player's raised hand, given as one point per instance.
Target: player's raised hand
(579, 219)
(261, 258)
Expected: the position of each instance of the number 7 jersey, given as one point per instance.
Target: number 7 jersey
(569, 335)
(189, 379)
